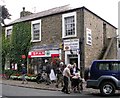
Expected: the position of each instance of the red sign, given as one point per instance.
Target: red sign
(29, 56)
(38, 53)
(54, 55)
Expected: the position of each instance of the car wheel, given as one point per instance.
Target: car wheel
(107, 88)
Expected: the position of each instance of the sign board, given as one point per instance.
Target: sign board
(88, 37)
(42, 53)
(38, 53)
(71, 44)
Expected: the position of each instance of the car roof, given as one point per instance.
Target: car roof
(106, 60)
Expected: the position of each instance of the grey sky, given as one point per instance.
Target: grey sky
(106, 9)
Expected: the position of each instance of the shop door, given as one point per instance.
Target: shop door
(74, 60)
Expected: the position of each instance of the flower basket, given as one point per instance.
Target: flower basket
(19, 77)
(13, 77)
(27, 77)
(33, 78)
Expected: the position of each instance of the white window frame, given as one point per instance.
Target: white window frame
(8, 28)
(32, 23)
(63, 24)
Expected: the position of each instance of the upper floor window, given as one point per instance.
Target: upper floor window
(69, 25)
(36, 30)
(8, 31)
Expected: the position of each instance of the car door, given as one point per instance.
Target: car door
(109, 68)
(115, 69)
(119, 70)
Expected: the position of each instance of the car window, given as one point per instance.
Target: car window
(114, 66)
(103, 66)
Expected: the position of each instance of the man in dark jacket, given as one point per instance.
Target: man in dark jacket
(59, 71)
(48, 70)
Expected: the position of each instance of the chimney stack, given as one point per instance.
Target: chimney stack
(24, 13)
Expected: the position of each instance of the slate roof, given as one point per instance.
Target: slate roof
(56, 10)
(42, 14)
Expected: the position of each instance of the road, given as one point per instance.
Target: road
(10, 91)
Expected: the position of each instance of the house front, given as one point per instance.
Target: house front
(74, 35)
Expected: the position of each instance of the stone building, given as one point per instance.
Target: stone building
(71, 34)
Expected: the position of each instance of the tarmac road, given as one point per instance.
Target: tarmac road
(21, 92)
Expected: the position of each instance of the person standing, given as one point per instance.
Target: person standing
(48, 71)
(66, 79)
(59, 71)
(74, 69)
(24, 72)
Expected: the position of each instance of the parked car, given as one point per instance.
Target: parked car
(87, 74)
(105, 75)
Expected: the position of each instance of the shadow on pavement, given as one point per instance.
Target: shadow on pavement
(116, 95)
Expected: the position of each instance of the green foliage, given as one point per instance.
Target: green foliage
(5, 48)
(20, 42)
(4, 14)
(8, 73)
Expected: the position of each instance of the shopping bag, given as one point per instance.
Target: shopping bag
(52, 75)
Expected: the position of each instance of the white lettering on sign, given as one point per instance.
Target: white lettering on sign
(36, 53)
(71, 44)
(88, 37)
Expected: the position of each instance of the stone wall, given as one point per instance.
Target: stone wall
(94, 23)
(52, 34)
(51, 30)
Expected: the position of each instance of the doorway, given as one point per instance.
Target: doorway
(73, 59)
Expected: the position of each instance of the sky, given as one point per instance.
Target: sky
(106, 9)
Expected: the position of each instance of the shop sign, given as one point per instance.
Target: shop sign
(42, 53)
(47, 53)
(54, 55)
(88, 37)
(37, 53)
(71, 44)
(46, 47)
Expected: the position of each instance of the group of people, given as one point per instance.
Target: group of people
(72, 79)
(66, 75)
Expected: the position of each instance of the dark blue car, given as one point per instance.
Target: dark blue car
(105, 75)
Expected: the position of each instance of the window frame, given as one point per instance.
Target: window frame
(63, 24)
(32, 23)
(6, 31)
(118, 44)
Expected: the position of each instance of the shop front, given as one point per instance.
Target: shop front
(38, 58)
(71, 48)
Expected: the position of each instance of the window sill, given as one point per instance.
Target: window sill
(69, 36)
(35, 41)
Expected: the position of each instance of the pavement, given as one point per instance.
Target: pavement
(41, 86)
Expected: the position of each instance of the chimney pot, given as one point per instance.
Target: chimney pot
(23, 8)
